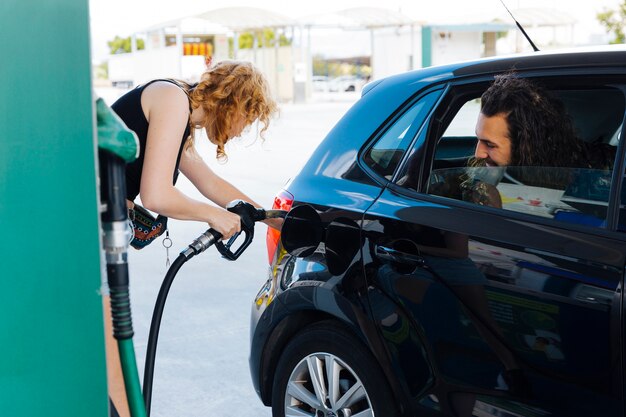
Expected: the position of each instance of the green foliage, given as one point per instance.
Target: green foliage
(332, 68)
(265, 39)
(122, 45)
(321, 66)
(102, 71)
(614, 22)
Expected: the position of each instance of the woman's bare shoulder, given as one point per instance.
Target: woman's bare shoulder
(163, 96)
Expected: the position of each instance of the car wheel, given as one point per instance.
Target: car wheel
(326, 372)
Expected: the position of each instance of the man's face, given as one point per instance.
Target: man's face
(494, 145)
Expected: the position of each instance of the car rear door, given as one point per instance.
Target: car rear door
(496, 312)
(528, 297)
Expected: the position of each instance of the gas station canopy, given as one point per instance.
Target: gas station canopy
(536, 17)
(357, 18)
(246, 18)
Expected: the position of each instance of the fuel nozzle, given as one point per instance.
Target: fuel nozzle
(248, 211)
(249, 215)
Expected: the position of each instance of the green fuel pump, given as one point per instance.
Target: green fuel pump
(51, 331)
(118, 145)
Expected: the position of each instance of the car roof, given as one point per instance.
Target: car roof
(582, 57)
(567, 58)
(382, 98)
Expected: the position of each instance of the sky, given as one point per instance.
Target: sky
(123, 17)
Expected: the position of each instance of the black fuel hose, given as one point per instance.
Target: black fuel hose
(202, 243)
(148, 372)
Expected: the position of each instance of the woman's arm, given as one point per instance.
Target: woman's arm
(167, 109)
(212, 186)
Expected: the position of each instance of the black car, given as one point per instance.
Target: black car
(371, 312)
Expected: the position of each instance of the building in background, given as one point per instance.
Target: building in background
(363, 44)
(177, 49)
(181, 48)
(447, 43)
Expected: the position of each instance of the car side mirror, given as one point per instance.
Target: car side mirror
(302, 231)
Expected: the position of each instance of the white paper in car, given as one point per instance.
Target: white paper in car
(537, 201)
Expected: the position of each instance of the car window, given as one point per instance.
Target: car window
(460, 135)
(572, 195)
(577, 193)
(387, 151)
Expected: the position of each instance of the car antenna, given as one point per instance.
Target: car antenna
(521, 28)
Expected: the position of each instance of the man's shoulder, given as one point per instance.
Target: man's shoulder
(601, 155)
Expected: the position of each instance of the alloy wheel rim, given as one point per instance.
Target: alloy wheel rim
(322, 385)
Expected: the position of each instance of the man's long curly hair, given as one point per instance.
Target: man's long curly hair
(225, 91)
(540, 130)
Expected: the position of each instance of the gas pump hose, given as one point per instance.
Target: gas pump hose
(123, 333)
(115, 240)
(202, 243)
(249, 215)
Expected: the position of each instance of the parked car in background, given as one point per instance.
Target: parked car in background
(394, 300)
(320, 83)
(346, 83)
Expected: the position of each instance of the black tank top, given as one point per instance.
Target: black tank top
(128, 108)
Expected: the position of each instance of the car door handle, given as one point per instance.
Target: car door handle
(394, 255)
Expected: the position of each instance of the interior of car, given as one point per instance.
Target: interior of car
(581, 196)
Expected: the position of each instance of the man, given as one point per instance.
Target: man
(523, 127)
(520, 124)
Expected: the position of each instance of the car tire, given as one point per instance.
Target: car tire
(328, 349)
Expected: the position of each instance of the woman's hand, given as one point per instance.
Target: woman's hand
(225, 222)
(484, 194)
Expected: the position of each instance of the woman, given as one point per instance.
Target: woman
(166, 116)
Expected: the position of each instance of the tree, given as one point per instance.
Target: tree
(122, 45)
(614, 21)
(265, 39)
(101, 71)
(336, 67)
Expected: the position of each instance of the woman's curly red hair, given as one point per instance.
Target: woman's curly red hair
(228, 90)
